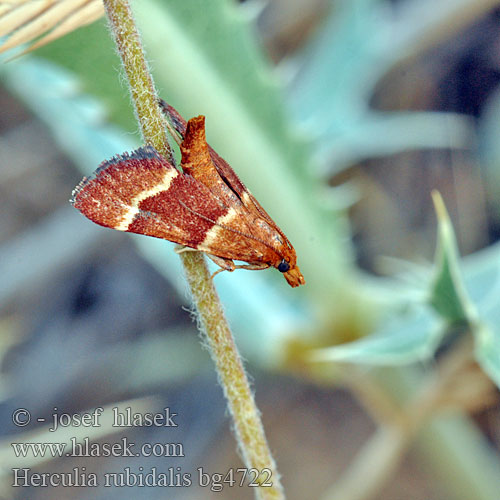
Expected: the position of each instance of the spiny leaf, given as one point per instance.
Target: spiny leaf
(447, 294)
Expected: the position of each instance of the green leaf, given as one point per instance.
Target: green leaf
(89, 52)
(482, 277)
(447, 294)
(406, 339)
(340, 70)
(209, 49)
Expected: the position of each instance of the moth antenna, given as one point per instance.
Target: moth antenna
(175, 123)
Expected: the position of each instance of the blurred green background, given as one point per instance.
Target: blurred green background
(375, 380)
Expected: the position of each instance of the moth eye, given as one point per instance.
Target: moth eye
(284, 266)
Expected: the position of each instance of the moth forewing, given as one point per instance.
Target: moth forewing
(205, 207)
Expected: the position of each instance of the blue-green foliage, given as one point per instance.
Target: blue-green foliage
(205, 60)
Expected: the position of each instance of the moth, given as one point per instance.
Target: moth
(204, 207)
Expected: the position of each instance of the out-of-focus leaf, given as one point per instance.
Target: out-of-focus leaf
(383, 134)
(482, 279)
(216, 42)
(450, 300)
(489, 146)
(410, 338)
(90, 55)
(337, 75)
(77, 121)
(447, 294)
(415, 338)
(481, 272)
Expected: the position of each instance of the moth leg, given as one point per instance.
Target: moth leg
(181, 249)
(253, 267)
(229, 265)
(224, 264)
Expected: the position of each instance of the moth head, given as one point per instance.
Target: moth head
(291, 273)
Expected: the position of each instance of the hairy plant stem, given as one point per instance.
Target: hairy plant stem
(250, 432)
(248, 426)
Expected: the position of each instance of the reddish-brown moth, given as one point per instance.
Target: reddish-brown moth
(205, 207)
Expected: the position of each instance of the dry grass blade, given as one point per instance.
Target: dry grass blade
(16, 15)
(83, 16)
(27, 20)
